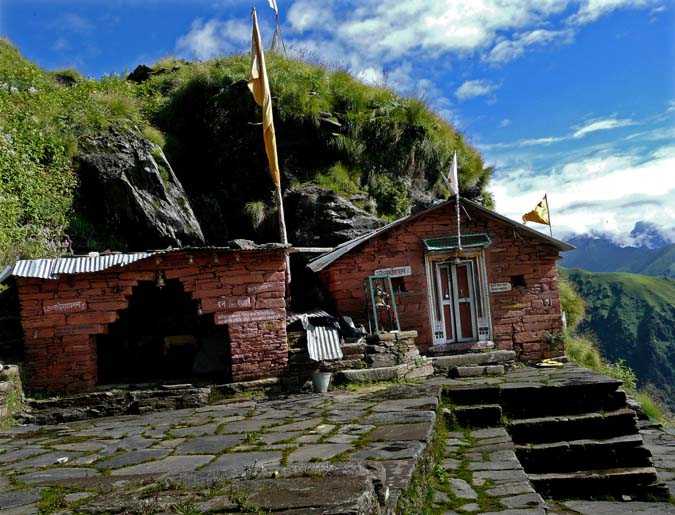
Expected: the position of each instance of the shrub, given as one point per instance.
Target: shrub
(391, 196)
(572, 304)
(339, 179)
(154, 136)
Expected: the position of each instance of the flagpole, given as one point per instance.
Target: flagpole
(459, 232)
(548, 210)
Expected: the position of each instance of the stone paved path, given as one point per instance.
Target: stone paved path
(482, 474)
(345, 452)
(98, 463)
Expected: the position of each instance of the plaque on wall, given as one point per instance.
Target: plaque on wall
(499, 287)
(397, 271)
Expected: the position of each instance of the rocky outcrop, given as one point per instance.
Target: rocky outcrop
(128, 189)
(319, 217)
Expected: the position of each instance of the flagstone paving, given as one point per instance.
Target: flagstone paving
(343, 452)
(113, 459)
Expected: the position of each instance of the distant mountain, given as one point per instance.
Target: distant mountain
(650, 252)
(633, 318)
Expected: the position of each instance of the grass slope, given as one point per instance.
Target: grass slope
(332, 130)
(633, 318)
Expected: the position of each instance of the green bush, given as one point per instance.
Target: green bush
(572, 304)
(391, 196)
(339, 179)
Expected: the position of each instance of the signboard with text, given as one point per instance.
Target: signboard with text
(398, 271)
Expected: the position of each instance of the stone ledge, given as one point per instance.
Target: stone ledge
(373, 375)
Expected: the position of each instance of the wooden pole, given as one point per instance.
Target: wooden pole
(283, 235)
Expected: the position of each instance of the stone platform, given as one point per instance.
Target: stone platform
(343, 452)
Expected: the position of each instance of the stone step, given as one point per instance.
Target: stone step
(573, 427)
(576, 455)
(353, 349)
(374, 375)
(522, 400)
(463, 394)
(639, 483)
(477, 371)
(482, 415)
(444, 363)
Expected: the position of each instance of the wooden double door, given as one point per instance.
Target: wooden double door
(457, 300)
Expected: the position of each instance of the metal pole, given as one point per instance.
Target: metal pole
(548, 210)
(459, 232)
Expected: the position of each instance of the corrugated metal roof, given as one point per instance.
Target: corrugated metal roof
(51, 268)
(294, 317)
(327, 259)
(323, 343)
(452, 242)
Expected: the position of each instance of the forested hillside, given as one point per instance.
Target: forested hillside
(172, 154)
(632, 318)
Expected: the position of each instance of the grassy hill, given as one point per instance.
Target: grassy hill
(363, 142)
(633, 318)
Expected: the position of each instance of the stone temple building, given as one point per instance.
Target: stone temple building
(217, 312)
(499, 290)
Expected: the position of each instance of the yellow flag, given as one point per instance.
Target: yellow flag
(539, 214)
(260, 87)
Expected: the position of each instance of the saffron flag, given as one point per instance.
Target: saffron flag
(260, 88)
(539, 214)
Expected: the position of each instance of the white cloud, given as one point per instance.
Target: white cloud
(509, 49)
(307, 14)
(608, 192)
(601, 125)
(211, 38)
(475, 88)
(505, 123)
(590, 10)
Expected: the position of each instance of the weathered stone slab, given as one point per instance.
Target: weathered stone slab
(16, 498)
(322, 451)
(209, 444)
(168, 465)
(128, 458)
(401, 432)
(235, 463)
(400, 417)
(473, 359)
(56, 475)
(389, 451)
(302, 425)
(521, 487)
(523, 501)
(461, 489)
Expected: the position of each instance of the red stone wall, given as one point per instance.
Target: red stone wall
(243, 289)
(520, 318)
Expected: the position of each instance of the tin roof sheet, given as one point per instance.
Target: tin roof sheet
(51, 268)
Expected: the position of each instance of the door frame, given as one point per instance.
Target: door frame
(482, 325)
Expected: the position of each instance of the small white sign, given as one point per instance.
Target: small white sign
(500, 287)
(398, 271)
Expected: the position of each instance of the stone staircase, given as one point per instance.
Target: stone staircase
(474, 364)
(573, 432)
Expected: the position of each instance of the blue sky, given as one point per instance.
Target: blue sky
(571, 97)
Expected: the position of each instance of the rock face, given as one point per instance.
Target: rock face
(319, 217)
(128, 189)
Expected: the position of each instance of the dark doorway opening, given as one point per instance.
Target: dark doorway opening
(162, 337)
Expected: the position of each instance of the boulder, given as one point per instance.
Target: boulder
(319, 217)
(128, 191)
